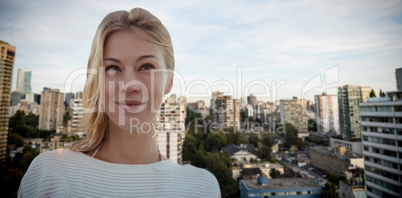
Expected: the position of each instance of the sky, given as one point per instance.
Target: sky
(273, 49)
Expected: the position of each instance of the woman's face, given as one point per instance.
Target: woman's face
(135, 80)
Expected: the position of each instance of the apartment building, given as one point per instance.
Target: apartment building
(293, 111)
(171, 125)
(327, 113)
(349, 97)
(381, 126)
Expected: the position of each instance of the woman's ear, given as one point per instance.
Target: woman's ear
(169, 84)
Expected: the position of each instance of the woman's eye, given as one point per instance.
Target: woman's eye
(112, 69)
(147, 66)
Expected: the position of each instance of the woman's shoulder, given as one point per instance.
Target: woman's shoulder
(46, 168)
(55, 156)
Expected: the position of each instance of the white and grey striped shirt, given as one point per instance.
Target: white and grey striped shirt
(65, 173)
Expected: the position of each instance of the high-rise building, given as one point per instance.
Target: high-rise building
(69, 96)
(37, 98)
(171, 127)
(327, 113)
(78, 95)
(30, 97)
(381, 126)
(252, 99)
(51, 109)
(310, 106)
(249, 110)
(16, 96)
(293, 112)
(398, 75)
(24, 80)
(7, 55)
(349, 97)
(216, 94)
(76, 111)
(225, 112)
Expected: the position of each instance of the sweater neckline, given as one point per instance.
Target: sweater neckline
(124, 168)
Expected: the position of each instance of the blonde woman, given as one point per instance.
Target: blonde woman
(129, 72)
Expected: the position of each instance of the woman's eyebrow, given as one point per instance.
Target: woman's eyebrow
(112, 59)
(138, 59)
(146, 56)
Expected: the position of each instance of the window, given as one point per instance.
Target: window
(398, 108)
(383, 184)
(384, 109)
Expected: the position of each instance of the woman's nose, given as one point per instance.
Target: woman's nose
(130, 86)
(131, 83)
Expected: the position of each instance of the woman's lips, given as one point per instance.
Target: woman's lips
(131, 105)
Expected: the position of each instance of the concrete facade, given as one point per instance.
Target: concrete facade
(24, 80)
(382, 142)
(280, 187)
(170, 121)
(349, 97)
(51, 109)
(293, 112)
(355, 147)
(76, 112)
(225, 111)
(335, 160)
(7, 54)
(327, 113)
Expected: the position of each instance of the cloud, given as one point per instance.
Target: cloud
(271, 40)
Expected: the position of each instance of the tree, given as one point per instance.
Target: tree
(191, 116)
(312, 125)
(28, 156)
(234, 137)
(382, 94)
(372, 94)
(215, 141)
(273, 173)
(265, 149)
(330, 191)
(208, 118)
(290, 135)
(252, 160)
(31, 120)
(253, 139)
(66, 118)
(190, 153)
(15, 139)
(218, 164)
(242, 116)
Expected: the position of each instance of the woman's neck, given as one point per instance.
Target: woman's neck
(122, 147)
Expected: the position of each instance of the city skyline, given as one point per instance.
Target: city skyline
(289, 42)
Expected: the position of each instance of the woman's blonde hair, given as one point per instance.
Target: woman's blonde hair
(95, 121)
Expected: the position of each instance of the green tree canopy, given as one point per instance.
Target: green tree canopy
(290, 135)
(218, 163)
(372, 94)
(312, 125)
(274, 173)
(253, 139)
(330, 191)
(382, 94)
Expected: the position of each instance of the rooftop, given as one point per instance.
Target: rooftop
(262, 165)
(330, 151)
(232, 149)
(391, 96)
(282, 183)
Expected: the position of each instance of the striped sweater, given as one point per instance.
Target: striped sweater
(65, 173)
